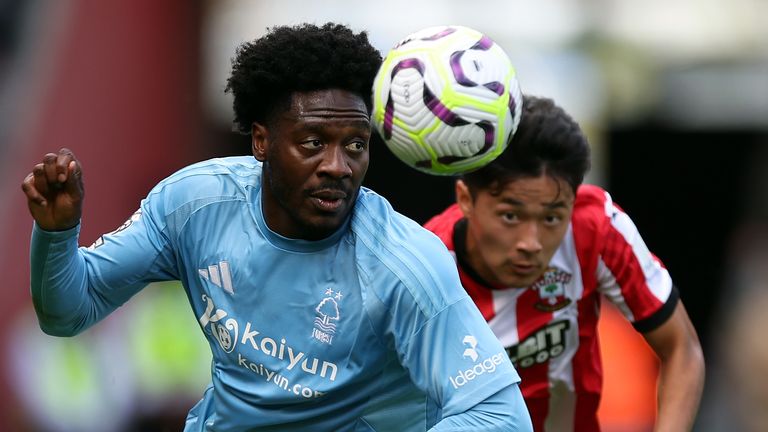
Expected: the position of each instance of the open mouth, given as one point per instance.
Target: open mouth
(328, 204)
(328, 200)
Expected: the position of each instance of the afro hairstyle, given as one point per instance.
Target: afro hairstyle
(306, 57)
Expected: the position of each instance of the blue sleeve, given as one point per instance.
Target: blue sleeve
(504, 411)
(458, 360)
(75, 287)
(441, 337)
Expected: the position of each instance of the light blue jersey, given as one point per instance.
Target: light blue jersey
(366, 330)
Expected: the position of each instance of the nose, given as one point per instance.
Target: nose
(528, 240)
(335, 162)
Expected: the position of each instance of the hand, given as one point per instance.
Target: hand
(55, 192)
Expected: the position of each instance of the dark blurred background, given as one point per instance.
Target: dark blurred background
(674, 98)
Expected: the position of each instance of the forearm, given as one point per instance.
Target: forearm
(504, 411)
(681, 382)
(58, 282)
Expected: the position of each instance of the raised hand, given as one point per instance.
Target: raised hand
(55, 192)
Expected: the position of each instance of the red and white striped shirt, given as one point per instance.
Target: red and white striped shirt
(550, 328)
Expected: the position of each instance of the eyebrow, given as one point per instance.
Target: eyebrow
(317, 124)
(551, 205)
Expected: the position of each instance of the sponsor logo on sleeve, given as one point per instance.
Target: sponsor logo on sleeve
(472, 343)
(480, 367)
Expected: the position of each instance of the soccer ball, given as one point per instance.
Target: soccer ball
(446, 100)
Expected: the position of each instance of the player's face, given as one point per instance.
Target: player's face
(315, 157)
(512, 236)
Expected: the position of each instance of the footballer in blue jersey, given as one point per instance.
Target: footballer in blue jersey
(324, 309)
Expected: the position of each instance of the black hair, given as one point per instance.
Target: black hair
(547, 141)
(288, 59)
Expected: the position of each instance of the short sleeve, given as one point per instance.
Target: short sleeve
(456, 357)
(628, 274)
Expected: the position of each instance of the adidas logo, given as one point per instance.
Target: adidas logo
(218, 275)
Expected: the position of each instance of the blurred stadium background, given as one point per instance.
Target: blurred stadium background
(674, 97)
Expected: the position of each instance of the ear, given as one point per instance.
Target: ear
(259, 141)
(464, 198)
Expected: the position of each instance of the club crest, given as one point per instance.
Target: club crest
(326, 316)
(551, 289)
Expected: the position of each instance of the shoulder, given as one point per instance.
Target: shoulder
(375, 221)
(591, 208)
(214, 173)
(405, 252)
(591, 196)
(598, 222)
(204, 183)
(594, 203)
(590, 222)
(443, 224)
(225, 177)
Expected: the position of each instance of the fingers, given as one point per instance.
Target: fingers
(54, 191)
(56, 166)
(39, 179)
(57, 172)
(74, 183)
(63, 160)
(28, 186)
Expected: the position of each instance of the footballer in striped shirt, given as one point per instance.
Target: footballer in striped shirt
(537, 251)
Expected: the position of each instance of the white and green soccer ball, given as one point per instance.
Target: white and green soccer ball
(446, 100)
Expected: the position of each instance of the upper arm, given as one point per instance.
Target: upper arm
(136, 253)
(676, 333)
(629, 275)
(73, 288)
(439, 334)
